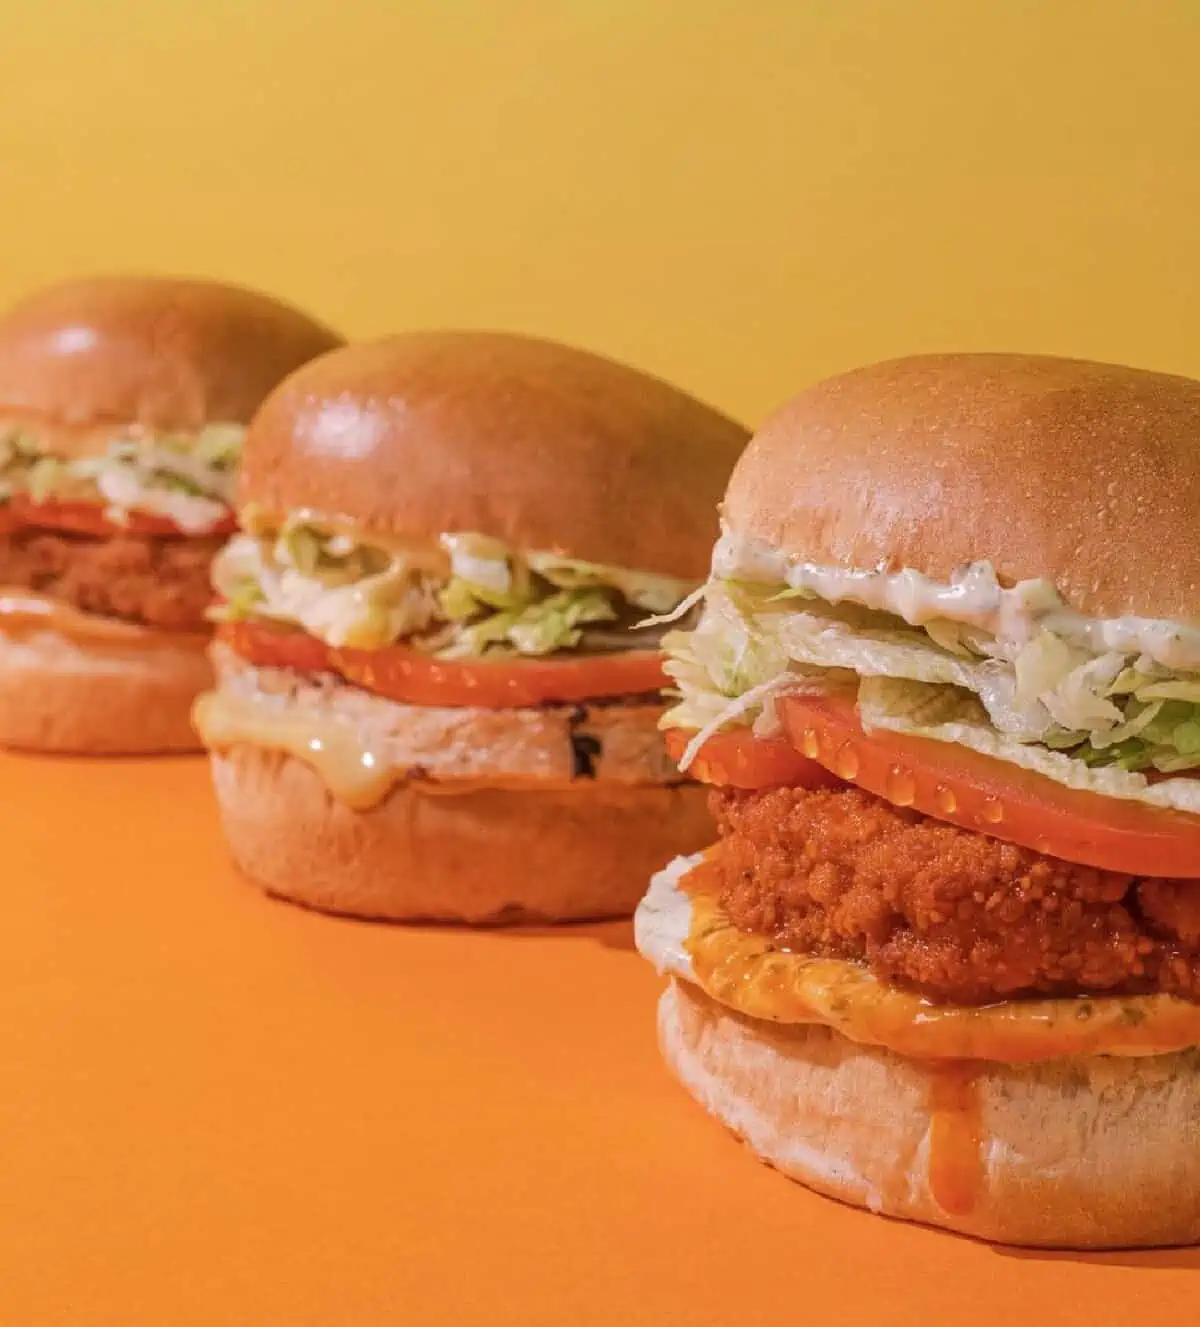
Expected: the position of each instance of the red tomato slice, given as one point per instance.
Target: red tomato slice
(738, 759)
(416, 679)
(977, 792)
(89, 518)
(277, 647)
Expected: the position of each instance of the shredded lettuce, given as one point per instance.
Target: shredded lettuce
(1111, 708)
(948, 714)
(470, 596)
(483, 576)
(655, 594)
(1098, 709)
(18, 456)
(344, 594)
(542, 627)
(723, 658)
(46, 477)
(188, 478)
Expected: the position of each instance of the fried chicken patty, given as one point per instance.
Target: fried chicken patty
(958, 916)
(160, 581)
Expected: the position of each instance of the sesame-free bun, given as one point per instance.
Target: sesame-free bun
(158, 352)
(82, 697)
(432, 852)
(1085, 474)
(547, 447)
(1097, 1152)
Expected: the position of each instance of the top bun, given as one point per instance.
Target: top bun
(162, 353)
(1084, 474)
(538, 444)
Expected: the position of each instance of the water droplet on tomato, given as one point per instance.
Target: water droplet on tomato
(992, 811)
(945, 800)
(811, 746)
(846, 764)
(900, 787)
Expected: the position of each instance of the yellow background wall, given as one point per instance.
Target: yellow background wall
(739, 194)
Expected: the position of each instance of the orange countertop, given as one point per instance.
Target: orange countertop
(217, 1109)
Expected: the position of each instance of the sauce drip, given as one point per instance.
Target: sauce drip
(352, 770)
(955, 1138)
(747, 972)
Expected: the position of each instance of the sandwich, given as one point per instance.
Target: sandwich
(438, 665)
(943, 959)
(122, 407)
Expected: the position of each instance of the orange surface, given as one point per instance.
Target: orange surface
(220, 1110)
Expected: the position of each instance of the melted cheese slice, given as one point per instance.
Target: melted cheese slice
(353, 770)
(682, 930)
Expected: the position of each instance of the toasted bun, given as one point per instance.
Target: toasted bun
(486, 855)
(60, 695)
(1048, 468)
(535, 443)
(1086, 1153)
(158, 352)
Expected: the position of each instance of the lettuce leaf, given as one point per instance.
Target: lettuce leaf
(551, 624)
(1100, 708)
(345, 595)
(948, 714)
(722, 659)
(188, 478)
(655, 594)
(471, 596)
(18, 455)
(46, 477)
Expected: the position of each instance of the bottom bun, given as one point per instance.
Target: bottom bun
(99, 698)
(428, 853)
(1088, 1153)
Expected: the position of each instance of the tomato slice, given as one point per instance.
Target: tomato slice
(89, 518)
(407, 675)
(977, 792)
(737, 759)
(277, 647)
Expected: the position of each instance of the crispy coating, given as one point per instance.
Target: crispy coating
(159, 581)
(958, 916)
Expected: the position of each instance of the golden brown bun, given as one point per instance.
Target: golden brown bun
(544, 446)
(1085, 474)
(159, 352)
(1086, 1153)
(60, 695)
(488, 855)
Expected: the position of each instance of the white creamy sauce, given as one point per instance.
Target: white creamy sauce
(974, 597)
(663, 919)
